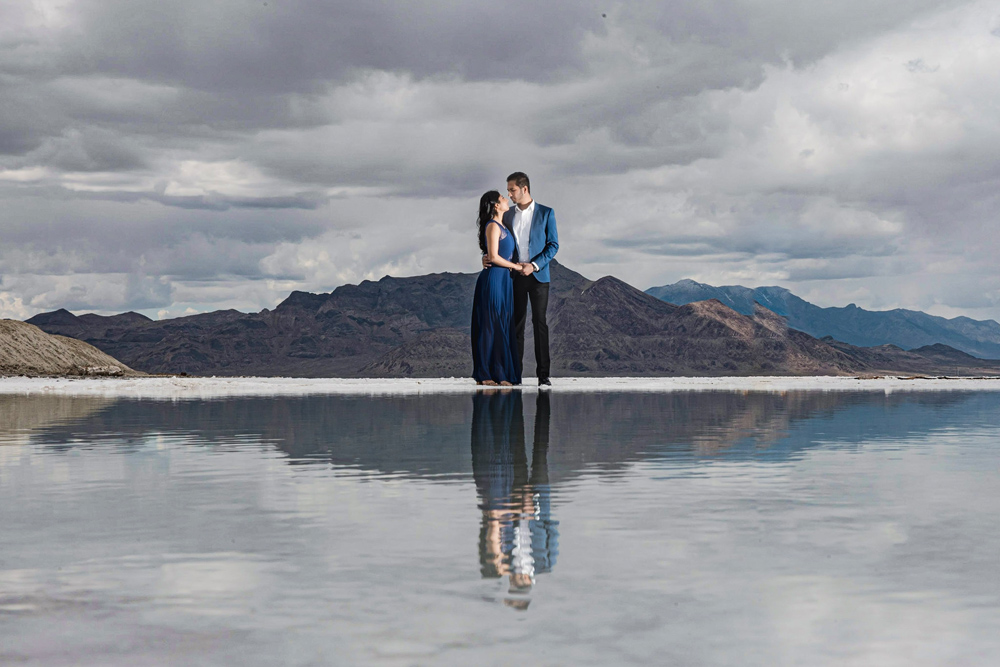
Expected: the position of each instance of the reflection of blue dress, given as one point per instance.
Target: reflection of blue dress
(494, 347)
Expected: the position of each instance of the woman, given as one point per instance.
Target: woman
(494, 348)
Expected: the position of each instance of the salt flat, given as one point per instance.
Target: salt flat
(212, 387)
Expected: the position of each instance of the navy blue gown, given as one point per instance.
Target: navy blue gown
(494, 348)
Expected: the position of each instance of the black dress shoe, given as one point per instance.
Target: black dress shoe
(544, 382)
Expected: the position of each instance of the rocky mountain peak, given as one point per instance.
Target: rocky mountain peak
(59, 317)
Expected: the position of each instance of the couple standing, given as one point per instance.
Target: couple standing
(517, 244)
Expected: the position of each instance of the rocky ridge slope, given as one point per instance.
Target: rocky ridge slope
(27, 350)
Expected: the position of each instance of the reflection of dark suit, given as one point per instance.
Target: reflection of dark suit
(500, 471)
(543, 243)
(544, 531)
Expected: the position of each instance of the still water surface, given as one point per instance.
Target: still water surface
(708, 528)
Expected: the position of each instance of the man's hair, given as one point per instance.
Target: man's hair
(520, 180)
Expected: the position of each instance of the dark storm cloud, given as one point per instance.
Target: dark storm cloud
(787, 245)
(286, 46)
(168, 74)
(220, 202)
(89, 150)
(142, 238)
(279, 47)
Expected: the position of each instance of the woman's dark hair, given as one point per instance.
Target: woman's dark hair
(487, 207)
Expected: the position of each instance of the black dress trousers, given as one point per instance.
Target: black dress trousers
(527, 288)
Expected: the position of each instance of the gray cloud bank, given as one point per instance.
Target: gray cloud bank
(181, 156)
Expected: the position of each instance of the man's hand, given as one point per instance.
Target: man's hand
(486, 262)
(527, 269)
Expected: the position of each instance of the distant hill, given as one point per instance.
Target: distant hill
(419, 327)
(908, 329)
(27, 350)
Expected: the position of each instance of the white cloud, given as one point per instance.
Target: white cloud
(12, 307)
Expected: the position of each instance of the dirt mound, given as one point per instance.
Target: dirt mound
(27, 350)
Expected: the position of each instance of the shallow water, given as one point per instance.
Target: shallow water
(668, 528)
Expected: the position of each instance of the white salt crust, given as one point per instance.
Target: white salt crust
(174, 388)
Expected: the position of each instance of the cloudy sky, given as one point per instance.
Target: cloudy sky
(173, 156)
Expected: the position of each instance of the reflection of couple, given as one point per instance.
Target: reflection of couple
(517, 245)
(517, 537)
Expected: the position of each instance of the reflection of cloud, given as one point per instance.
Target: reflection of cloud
(211, 584)
(203, 584)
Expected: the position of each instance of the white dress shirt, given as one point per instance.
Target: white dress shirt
(522, 231)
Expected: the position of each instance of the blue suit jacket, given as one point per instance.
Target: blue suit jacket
(543, 240)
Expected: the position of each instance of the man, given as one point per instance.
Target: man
(534, 228)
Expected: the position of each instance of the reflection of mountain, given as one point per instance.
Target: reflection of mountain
(31, 413)
(429, 435)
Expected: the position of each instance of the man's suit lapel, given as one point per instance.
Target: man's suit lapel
(508, 219)
(535, 217)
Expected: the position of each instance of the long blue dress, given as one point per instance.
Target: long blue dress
(494, 348)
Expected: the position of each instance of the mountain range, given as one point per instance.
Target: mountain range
(906, 328)
(419, 327)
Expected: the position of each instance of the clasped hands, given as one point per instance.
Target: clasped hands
(524, 268)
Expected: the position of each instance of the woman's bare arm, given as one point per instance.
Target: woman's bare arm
(493, 248)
